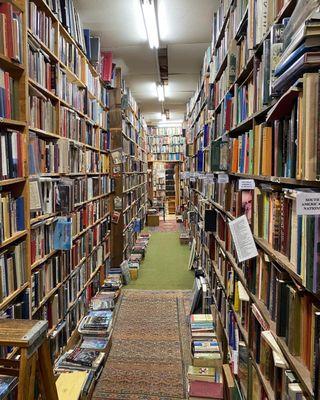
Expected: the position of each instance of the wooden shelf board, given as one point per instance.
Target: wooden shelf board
(5, 302)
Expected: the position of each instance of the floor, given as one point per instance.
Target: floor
(166, 264)
(150, 344)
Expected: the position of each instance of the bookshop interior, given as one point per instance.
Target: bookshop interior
(159, 199)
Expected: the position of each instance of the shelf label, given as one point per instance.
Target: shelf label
(308, 203)
(223, 178)
(243, 239)
(246, 184)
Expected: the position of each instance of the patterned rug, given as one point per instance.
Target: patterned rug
(150, 348)
(166, 226)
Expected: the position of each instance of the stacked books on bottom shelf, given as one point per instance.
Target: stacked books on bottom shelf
(205, 375)
(137, 254)
(80, 367)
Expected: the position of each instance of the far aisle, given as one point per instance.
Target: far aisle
(166, 263)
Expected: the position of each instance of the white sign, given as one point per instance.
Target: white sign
(308, 203)
(223, 178)
(243, 239)
(246, 184)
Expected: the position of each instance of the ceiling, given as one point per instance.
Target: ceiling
(184, 27)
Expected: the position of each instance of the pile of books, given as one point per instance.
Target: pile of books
(113, 282)
(205, 376)
(138, 254)
(96, 323)
(204, 344)
(80, 359)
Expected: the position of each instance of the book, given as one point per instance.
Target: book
(205, 390)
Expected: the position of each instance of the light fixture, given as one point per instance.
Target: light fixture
(160, 91)
(150, 22)
(170, 123)
(163, 117)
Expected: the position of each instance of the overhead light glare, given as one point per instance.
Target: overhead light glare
(150, 22)
(160, 91)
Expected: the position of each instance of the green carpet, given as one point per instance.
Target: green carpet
(165, 266)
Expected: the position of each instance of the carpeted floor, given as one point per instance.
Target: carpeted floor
(165, 265)
(150, 348)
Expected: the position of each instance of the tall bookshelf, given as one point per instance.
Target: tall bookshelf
(249, 154)
(15, 238)
(63, 117)
(128, 141)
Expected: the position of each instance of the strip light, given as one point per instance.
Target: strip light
(150, 22)
(160, 91)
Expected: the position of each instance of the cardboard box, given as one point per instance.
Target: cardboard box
(133, 273)
(153, 220)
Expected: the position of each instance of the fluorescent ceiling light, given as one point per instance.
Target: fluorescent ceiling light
(160, 91)
(170, 124)
(150, 22)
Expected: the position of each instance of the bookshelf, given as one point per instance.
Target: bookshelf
(128, 141)
(62, 171)
(166, 148)
(246, 126)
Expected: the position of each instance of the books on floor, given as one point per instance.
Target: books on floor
(201, 322)
(205, 390)
(205, 374)
(96, 323)
(93, 343)
(80, 360)
(71, 386)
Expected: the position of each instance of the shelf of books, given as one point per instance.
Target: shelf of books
(166, 149)
(129, 164)
(252, 147)
(55, 140)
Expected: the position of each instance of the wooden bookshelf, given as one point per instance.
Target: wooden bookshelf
(230, 67)
(89, 139)
(128, 136)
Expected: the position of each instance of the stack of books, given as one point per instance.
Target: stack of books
(96, 324)
(204, 345)
(113, 282)
(80, 359)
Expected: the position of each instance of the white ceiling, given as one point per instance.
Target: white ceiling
(185, 28)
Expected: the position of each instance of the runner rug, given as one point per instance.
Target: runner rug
(150, 348)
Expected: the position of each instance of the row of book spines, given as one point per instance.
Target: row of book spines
(53, 78)
(69, 58)
(272, 217)
(274, 292)
(12, 216)
(286, 306)
(43, 237)
(13, 272)
(51, 158)
(50, 276)
(11, 32)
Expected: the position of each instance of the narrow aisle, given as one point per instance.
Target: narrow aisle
(150, 348)
(166, 264)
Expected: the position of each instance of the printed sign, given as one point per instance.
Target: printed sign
(243, 239)
(308, 203)
(246, 184)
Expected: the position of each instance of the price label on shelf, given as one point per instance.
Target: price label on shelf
(246, 184)
(223, 178)
(308, 203)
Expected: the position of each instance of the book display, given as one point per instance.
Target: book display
(251, 185)
(129, 167)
